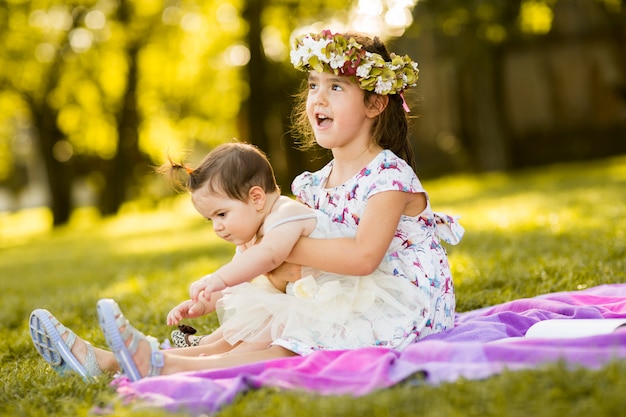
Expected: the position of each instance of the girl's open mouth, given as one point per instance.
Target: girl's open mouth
(323, 120)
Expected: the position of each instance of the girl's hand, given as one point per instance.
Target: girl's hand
(206, 286)
(186, 310)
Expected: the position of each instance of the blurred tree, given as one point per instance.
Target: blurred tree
(119, 171)
(36, 87)
(493, 55)
(91, 73)
(106, 88)
(112, 86)
(272, 79)
(474, 33)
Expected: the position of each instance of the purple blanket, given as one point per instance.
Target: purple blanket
(483, 343)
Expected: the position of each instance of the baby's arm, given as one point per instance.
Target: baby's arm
(362, 254)
(263, 257)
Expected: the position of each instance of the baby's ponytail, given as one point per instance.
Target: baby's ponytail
(176, 172)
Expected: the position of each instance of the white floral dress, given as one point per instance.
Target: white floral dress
(415, 254)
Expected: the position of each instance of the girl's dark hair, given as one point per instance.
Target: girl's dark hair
(391, 127)
(231, 168)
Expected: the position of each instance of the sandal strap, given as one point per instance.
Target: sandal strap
(71, 337)
(125, 343)
(91, 364)
(129, 333)
(134, 337)
(157, 359)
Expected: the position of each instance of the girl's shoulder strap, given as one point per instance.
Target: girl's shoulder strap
(290, 219)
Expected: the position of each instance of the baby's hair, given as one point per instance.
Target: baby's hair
(231, 168)
(391, 127)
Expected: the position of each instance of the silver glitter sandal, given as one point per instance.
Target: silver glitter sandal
(46, 332)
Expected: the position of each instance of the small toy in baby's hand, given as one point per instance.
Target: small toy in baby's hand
(187, 329)
(183, 337)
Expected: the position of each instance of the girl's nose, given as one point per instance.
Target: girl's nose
(320, 97)
(217, 226)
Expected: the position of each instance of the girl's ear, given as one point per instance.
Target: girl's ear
(377, 103)
(256, 196)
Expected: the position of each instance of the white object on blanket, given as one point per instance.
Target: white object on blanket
(571, 328)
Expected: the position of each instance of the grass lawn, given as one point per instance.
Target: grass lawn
(532, 232)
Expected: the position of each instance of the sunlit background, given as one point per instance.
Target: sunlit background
(95, 94)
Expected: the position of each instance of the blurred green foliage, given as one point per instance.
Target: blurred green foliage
(189, 90)
(93, 93)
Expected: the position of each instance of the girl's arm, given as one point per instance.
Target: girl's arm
(362, 254)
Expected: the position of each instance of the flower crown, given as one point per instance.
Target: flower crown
(327, 52)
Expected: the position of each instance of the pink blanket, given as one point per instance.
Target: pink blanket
(483, 343)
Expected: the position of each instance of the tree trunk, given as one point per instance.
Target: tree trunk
(481, 112)
(257, 104)
(121, 169)
(59, 174)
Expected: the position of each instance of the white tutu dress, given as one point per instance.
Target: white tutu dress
(324, 310)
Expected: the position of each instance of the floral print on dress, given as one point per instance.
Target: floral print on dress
(416, 253)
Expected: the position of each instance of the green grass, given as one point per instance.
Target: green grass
(527, 233)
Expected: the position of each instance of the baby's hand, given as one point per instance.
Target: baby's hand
(185, 310)
(207, 285)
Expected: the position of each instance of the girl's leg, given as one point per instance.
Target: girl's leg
(140, 356)
(192, 358)
(242, 355)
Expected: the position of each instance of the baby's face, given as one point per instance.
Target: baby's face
(233, 220)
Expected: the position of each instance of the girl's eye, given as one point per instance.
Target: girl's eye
(312, 86)
(337, 87)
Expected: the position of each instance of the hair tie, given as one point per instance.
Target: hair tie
(189, 170)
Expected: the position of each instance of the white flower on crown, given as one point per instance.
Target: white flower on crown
(296, 56)
(337, 61)
(317, 47)
(310, 47)
(363, 70)
(382, 86)
(366, 66)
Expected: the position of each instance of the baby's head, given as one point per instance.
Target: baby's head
(231, 169)
(373, 68)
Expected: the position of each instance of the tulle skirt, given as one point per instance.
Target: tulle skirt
(326, 311)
